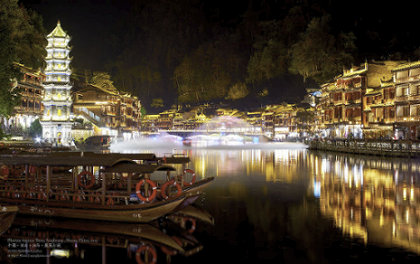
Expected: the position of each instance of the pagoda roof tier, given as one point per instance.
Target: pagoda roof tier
(56, 84)
(58, 72)
(48, 85)
(57, 103)
(62, 87)
(58, 32)
(52, 47)
(60, 58)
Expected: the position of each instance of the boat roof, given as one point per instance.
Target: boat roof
(86, 159)
(137, 168)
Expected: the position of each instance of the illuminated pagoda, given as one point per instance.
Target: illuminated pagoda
(56, 121)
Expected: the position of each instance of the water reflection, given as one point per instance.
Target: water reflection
(293, 205)
(279, 165)
(377, 200)
(37, 239)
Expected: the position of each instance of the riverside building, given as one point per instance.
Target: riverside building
(30, 89)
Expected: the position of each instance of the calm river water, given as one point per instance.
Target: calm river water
(274, 205)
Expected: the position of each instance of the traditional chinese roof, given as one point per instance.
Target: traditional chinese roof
(387, 83)
(58, 32)
(406, 66)
(353, 71)
(372, 91)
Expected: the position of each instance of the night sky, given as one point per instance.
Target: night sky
(100, 29)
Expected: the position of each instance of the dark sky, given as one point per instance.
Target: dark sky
(87, 22)
(98, 27)
(90, 21)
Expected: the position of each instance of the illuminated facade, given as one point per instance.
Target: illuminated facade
(379, 110)
(30, 107)
(359, 102)
(56, 120)
(110, 111)
(407, 100)
(324, 110)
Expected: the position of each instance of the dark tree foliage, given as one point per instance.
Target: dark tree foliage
(211, 71)
(157, 34)
(21, 41)
(35, 130)
(320, 55)
(196, 51)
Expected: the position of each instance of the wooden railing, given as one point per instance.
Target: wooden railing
(405, 148)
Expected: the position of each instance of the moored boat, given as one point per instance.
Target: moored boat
(112, 187)
(94, 143)
(7, 216)
(74, 238)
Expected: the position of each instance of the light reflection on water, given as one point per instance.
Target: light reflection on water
(371, 199)
(269, 197)
(377, 200)
(292, 205)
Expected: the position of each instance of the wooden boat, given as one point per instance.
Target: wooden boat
(94, 143)
(81, 230)
(145, 243)
(142, 241)
(112, 187)
(7, 215)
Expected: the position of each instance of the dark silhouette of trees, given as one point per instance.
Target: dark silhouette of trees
(21, 41)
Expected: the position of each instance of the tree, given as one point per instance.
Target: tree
(21, 41)
(319, 54)
(211, 70)
(157, 36)
(237, 91)
(35, 130)
(103, 80)
(157, 103)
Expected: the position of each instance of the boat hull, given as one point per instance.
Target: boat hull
(131, 231)
(132, 214)
(7, 216)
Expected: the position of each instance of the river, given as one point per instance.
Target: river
(284, 204)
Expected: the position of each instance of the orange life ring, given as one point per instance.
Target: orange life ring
(193, 177)
(166, 185)
(146, 198)
(146, 249)
(91, 177)
(4, 172)
(193, 223)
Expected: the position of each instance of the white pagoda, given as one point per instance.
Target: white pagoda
(56, 120)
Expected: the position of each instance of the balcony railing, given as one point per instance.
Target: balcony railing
(338, 102)
(401, 98)
(407, 118)
(414, 98)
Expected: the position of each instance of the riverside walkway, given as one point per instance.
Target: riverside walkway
(392, 148)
